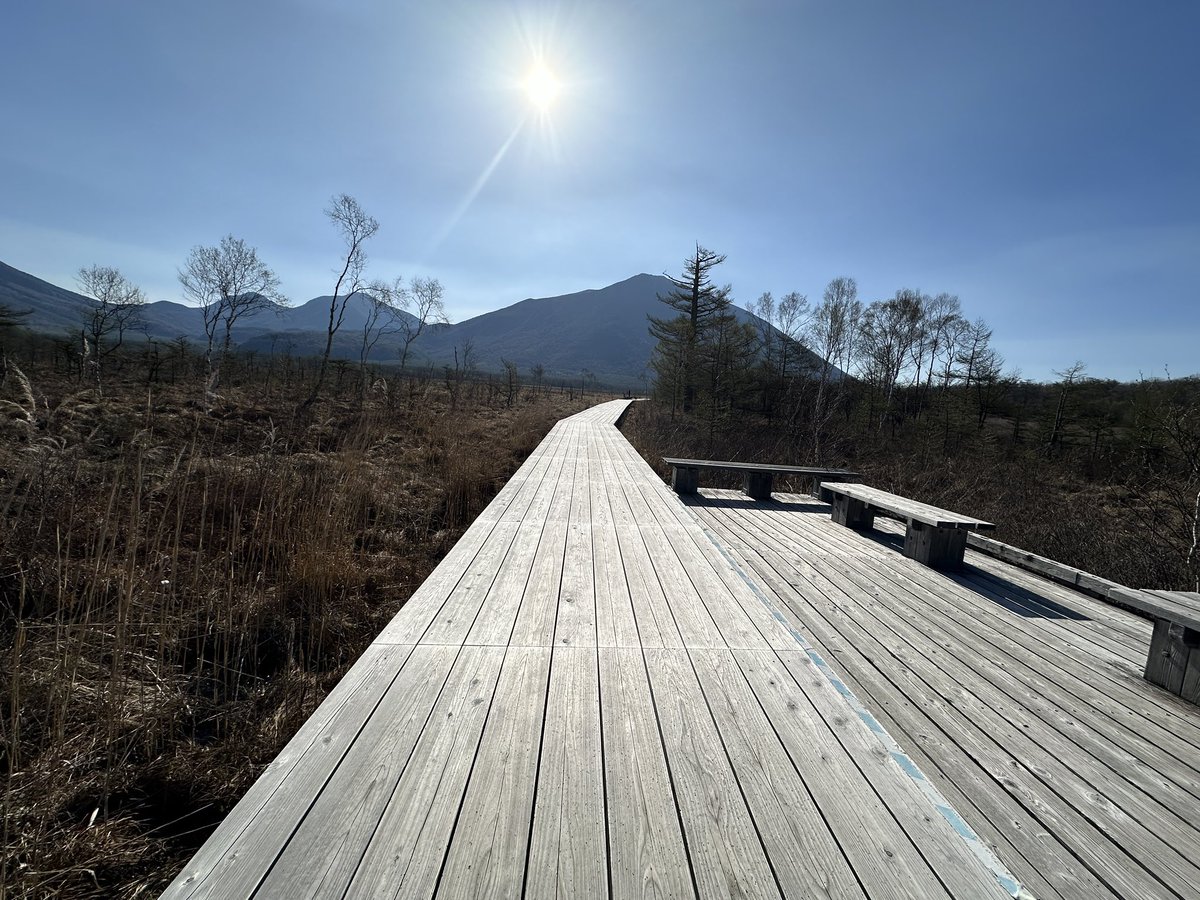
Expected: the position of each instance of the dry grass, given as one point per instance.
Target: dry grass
(181, 587)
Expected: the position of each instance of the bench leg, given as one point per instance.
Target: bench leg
(852, 513)
(1174, 660)
(758, 485)
(941, 548)
(684, 479)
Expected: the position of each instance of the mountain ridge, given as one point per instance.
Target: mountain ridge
(598, 331)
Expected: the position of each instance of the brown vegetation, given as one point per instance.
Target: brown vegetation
(180, 586)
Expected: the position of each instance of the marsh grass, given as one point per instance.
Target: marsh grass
(181, 586)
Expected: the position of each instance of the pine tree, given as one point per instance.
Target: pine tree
(699, 304)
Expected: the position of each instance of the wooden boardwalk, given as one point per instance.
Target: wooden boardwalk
(589, 697)
(1023, 700)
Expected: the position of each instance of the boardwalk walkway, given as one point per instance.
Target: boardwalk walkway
(1023, 700)
(590, 698)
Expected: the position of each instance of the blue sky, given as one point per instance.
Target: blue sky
(1039, 159)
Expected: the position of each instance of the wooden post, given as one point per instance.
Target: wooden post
(1169, 655)
(1191, 676)
(685, 479)
(942, 548)
(758, 485)
(852, 513)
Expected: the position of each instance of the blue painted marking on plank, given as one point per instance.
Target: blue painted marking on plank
(978, 849)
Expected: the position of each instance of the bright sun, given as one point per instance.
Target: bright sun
(542, 87)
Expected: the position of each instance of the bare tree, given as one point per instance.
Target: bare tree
(117, 307)
(888, 331)
(355, 228)
(228, 282)
(832, 329)
(385, 305)
(428, 310)
(790, 317)
(512, 380)
(1075, 372)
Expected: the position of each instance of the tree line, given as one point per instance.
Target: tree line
(804, 364)
(228, 281)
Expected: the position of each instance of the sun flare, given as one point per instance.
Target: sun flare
(542, 87)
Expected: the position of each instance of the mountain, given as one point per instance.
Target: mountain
(602, 331)
(50, 307)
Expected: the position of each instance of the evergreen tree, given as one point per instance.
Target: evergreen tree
(698, 304)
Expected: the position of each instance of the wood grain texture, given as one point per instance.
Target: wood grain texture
(487, 853)
(648, 856)
(728, 859)
(568, 854)
(807, 858)
(405, 853)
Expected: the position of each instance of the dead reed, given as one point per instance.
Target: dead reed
(180, 588)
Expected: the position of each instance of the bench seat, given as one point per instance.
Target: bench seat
(758, 478)
(933, 536)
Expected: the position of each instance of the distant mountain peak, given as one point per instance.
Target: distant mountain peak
(602, 331)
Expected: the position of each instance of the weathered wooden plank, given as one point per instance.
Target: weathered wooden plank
(1191, 677)
(882, 855)
(457, 614)
(989, 699)
(491, 836)
(405, 853)
(1023, 843)
(1091, 820)
(246, 843)
(648, 856)
(692, 616)
(409, 624)
(1118, 744)
(804, 854)
(1001, 798)
(575, 623)
(616, 625)
(737, 615)
(726, 855)
(536, 617)
(567, 852)
(901, 605)
(656, 625)
(942, 548)
(494, 624)
(323, 853)
(1070, 657)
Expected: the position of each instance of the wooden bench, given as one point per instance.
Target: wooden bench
(757, 478)
(935, 537)
(1174, 660)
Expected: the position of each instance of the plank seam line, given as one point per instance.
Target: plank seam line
(978, 848)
